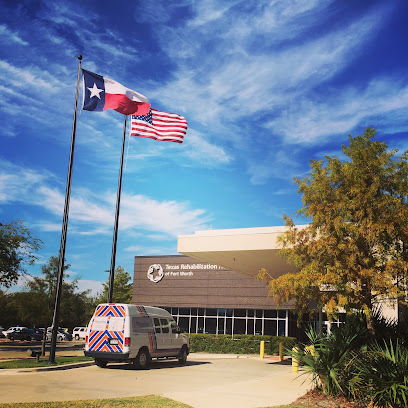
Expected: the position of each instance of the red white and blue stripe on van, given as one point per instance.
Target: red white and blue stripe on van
(101, 340)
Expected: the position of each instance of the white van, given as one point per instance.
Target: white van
(131, 333)
(79, 333)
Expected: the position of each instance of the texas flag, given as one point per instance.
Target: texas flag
(101, 93)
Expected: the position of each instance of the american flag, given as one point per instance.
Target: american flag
(168, 127)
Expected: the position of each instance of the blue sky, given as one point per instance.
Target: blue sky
(265, 86)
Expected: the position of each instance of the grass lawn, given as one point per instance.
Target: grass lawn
(147, 401)
(32, 362)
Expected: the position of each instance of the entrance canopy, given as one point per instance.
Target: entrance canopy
(245, 250)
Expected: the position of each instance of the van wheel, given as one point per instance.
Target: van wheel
(100, 363)
(142, 359)
(182, 357)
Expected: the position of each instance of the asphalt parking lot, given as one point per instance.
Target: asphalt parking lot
(205, 381)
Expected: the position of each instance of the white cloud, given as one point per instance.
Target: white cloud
(8, 36)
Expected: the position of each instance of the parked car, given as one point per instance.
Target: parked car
(65, 335)
(79, 333)
(12, 329)
(23, 333)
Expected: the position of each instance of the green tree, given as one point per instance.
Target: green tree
(36, 305)
(122, 288)
(354, 251)
(17, 247)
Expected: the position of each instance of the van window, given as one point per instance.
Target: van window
(157, 328)
(164, 325)
(174, 327)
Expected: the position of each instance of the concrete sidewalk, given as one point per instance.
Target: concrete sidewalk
(207, 380)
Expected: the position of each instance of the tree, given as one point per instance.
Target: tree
(354, 251)
(122, 288)
(17, 247)
(36, 305)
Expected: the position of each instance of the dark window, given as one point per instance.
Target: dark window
(251, 313)
(201, 312)
(200, 328)
(184, 311)
(164, 325)
(221, 312)
(229, 312)
(270, 314)
(258, 313)
(193, 311)
(250, 326)
(183, 323)
(281, 328)
(270, 327)
(258, 326)
(210, 325)
(174, 311)
(211, 312)
(173, 326)
(221, 326)
(157, 328)
(239, 326)
(239, 313)
(282, 314)
(193, 326)
(228, 327)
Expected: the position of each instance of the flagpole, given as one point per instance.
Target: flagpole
(115, 231)
(64, 228)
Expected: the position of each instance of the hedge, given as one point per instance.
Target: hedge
(239, 344)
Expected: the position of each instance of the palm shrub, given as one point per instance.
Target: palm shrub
(380, 375)
(328, 358)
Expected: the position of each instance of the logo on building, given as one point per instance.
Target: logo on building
(155, 273)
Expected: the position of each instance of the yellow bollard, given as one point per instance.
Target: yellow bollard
(281, 351)
(295, 363)
(262, 349)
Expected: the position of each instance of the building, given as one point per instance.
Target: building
(211, 287)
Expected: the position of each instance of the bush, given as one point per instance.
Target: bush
(381, 375)
(239, 344)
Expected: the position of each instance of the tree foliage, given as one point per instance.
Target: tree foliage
(35, 306)
(122, 288)
(354, 251)
(17, 247)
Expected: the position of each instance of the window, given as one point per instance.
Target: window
(156, 322)
(183, 323)
(174, 327)
(164, 325)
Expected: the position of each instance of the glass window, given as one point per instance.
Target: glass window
(193, 311)
(200, 327)
(164, 325)
(239, 326)
(282, 314)
(239, 313)
(220, 329)
(210, 325)
(259, 313)
(251, 313)
(258, 326)
(174, 311)
(201, 312)
(221, 312)
(193, 325)
(228, 327)
(281, 328)
(270, 327)
(156, 322)
(271, 314)
(183, 324)
(185, 311)
(211, 312)
(250, 326)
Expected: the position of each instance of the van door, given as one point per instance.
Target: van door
(176, 337)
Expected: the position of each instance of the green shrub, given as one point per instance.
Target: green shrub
(238, 344)
(381, 375)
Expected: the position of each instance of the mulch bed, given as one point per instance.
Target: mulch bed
(315, 398)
